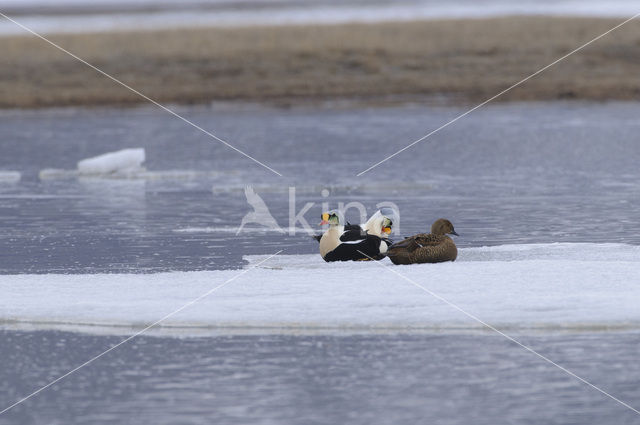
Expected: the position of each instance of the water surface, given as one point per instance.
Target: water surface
(287, 379)
(509, 173)
(516, 173)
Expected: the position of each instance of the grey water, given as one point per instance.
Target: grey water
(516, 173)
(508, 173)
(297, 379)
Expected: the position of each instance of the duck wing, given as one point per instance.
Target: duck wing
(348, 228)
(434, 249)
(357, 245)
(353, 234)
(411, 243)
(353, 227)
(426, 240)
(403, 252)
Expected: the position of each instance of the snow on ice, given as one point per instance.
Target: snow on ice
(552, 286)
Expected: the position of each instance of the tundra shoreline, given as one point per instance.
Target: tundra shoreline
(452, 61)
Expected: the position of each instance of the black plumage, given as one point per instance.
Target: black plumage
(357, 245)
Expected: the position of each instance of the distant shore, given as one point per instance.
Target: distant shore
(457, 61)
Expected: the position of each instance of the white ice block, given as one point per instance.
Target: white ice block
(125, 159)
(57, 174)
(10, 176)
(544, 286)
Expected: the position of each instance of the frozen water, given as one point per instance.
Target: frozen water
(125, 164)
(552, 252)
(120, 161)
(248, 229)
(139, 173)
(57, 174)
(576, 286)
(9, 176)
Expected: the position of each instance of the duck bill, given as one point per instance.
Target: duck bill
(325, 219)
(323, 222)
(453, 232)
(386, 230)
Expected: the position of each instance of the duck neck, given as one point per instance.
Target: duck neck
(374, 226)
(331, 239)
(335, 229)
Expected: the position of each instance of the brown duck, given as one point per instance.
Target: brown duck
(434, 247)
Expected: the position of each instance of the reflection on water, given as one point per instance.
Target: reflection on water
(508, 174)
(355, 379)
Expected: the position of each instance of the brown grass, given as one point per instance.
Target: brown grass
(462, 59)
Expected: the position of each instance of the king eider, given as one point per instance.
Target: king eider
(435, 247)
(352, 243)
(380, 224)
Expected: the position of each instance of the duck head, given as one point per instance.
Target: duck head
(390, 216)
(332, 218)
(380, 223)
(387, 223)
(442, 226)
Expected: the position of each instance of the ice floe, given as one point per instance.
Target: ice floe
(247, 229)
(125, 164)
(10, 176)
(544, 287)
(122, 160)
(130, 174)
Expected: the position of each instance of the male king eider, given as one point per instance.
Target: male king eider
(349, 243)
(380, 224)
(435, 247)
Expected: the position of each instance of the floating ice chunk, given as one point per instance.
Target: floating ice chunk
(179, 175)
(130, 174)
(547, 287)
(246, 230)
(124, 161)
(57, 174)
(10, 176)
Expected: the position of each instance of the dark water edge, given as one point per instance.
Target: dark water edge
(321, 379)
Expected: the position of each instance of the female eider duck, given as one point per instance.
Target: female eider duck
(349, 243)
(435, 247)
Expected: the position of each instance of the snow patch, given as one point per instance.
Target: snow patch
(57, 174)
(130, 174)
(246, 229)
(554, 286)
(10, 176)
(120, 161)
